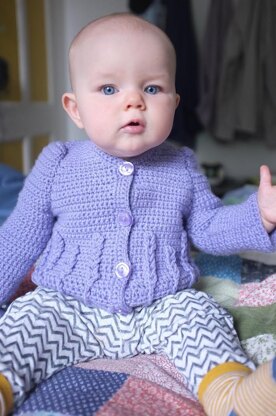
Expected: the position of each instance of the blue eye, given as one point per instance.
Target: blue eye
(152, 89)
(109, 90)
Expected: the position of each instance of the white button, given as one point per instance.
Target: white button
(122, 270)
(126, 168)
(124, 218)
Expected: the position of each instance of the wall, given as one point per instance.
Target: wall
(23, 45)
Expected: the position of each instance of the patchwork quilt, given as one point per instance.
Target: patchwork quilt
(150, 385)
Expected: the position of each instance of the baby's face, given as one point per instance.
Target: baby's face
(125, 92)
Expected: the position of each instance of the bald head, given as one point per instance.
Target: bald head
(112, 27)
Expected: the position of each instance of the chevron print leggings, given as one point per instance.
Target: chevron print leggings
(45, 331)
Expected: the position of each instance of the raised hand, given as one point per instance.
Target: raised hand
(267, 199)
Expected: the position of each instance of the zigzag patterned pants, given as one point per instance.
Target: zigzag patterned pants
(45, 331)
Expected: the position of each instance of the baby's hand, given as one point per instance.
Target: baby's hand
(267, 199)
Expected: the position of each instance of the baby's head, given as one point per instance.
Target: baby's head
(122, 71)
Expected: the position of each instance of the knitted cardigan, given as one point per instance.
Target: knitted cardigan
(116, 234)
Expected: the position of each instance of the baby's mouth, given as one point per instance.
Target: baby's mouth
(134, 127)
(134, 123)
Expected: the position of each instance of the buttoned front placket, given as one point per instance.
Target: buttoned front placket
(125, 220)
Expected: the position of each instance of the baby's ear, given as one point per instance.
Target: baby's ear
(177, 100)
(69, 103)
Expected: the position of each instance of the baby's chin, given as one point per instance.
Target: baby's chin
(131, 153)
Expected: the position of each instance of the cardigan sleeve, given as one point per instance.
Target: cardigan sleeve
(219, 229)
(25, 233)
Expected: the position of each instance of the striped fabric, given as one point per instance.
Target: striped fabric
(237, 392)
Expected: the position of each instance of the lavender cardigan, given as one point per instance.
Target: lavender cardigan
(116, 234)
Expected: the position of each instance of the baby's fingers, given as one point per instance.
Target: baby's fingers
(265, 177)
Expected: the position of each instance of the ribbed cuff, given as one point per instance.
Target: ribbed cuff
(229, 367)
(7, 393)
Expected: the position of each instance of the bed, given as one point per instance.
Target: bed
(245, 284)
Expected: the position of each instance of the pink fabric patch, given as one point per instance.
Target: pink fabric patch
(155, 368)
(258, 293)
(139, 398)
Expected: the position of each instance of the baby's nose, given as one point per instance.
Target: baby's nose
(134, 99)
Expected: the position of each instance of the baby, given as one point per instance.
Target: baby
(109, 222)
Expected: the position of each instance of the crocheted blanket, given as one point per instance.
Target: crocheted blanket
(150, 385)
